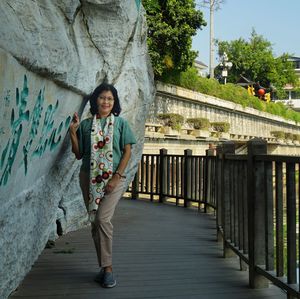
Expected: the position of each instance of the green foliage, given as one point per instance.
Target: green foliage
(285, 135)
(221, 126)
(188, 79)
(296, 137)
(199, 123)
(254, 59)
(288, 135)
(172, 120)
(278, 134)
(230, 92)
(171, 25)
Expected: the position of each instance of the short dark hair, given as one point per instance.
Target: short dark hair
(116, 110)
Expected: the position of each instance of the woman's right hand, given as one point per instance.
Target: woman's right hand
(75, 123)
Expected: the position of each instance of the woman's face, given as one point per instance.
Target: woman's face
(105, 103)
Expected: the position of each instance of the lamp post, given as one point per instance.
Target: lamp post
(226, 65)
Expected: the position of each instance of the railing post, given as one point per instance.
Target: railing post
(135, 186)
(208, 180)
(220, 192)
(162, 173)
(187, 177)
(256, 212)
(228, 147)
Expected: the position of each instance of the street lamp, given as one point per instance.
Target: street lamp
(226, 65)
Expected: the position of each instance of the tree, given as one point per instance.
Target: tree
(254, 59)
(171, 25)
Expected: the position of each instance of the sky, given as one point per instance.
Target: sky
(278, 21)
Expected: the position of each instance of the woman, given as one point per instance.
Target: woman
(103, 142)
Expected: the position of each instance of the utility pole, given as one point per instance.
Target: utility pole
(211, 38)
(212, 5)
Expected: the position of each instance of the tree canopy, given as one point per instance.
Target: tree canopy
(254, 59)
(171, 25)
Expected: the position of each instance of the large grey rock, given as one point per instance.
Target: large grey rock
(78, 43)
(52, 53)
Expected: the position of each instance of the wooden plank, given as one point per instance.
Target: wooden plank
(160, 251)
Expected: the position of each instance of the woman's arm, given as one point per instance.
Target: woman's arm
(124, 160)
(74, 139)
(120, 170)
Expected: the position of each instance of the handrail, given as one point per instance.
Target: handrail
(186, 178)
(278, 158)
(260, 209)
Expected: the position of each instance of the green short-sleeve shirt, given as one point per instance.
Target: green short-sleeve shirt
(122, 135)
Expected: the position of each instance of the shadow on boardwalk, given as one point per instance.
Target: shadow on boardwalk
(160, 251)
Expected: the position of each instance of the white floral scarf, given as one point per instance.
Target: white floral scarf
(101, 165)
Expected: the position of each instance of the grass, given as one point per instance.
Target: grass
(230, 92)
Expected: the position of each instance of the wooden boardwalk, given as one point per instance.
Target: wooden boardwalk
(160, 251)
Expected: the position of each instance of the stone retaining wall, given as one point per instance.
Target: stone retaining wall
(243, 121)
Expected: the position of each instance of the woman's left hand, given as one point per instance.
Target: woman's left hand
(112, 183)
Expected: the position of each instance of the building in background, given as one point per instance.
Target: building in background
(201, 68)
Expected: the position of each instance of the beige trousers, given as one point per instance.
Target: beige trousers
(102, 228)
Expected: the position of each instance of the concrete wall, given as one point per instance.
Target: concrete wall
(199, 147)
(245, 123)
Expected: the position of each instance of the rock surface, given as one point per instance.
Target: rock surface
(52, 53)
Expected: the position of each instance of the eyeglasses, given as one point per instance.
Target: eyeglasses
(108, 99)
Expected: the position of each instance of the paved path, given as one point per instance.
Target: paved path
(160, 251)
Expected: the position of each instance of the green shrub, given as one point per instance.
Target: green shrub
(278, 134)
(288, 135)
(221, 126)
(229, 92)
(172, 120)
(189, 78)
(296, 137)
(199, 123)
